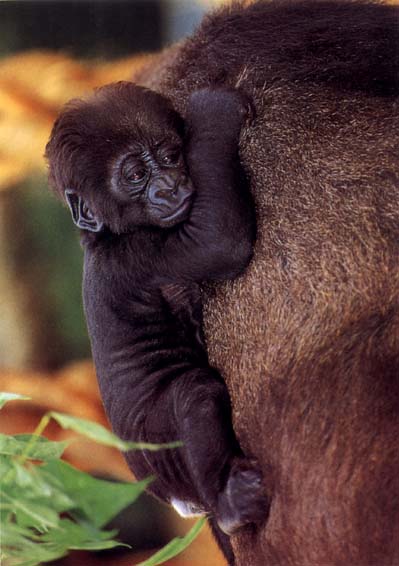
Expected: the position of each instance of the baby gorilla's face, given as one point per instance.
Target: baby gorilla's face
(151, 183)
(117, 159)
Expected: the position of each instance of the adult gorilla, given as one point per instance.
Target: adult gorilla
(308, 339)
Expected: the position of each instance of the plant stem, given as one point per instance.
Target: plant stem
(36, 434)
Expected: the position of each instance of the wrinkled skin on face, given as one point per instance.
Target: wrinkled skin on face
(123, 161)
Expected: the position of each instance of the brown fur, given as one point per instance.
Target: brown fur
(308, 339)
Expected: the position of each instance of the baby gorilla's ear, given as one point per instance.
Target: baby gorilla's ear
(81, 214)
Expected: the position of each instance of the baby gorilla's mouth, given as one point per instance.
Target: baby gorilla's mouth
(170, 199)
(179, 214)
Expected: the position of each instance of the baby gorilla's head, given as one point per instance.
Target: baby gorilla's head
(117, 158)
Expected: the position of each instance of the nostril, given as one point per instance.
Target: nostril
(159, 195)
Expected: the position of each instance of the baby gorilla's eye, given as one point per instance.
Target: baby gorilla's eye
(171, 157)
(134, 172)
(137, 174)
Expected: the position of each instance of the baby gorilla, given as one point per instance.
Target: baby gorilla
(150, 234)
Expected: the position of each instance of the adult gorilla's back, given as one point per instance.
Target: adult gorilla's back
(308, 339)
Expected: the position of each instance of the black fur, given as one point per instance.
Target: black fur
(141, 295)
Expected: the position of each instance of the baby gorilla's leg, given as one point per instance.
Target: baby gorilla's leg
(228, 485)
(243, 498)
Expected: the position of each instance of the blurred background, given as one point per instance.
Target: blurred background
(51, 51)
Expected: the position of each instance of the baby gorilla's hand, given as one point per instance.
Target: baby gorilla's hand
(221, 110)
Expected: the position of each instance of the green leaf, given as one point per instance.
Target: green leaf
(104, 545)
(20, 547)
(34, 497)
(34, 554)
(100, 434)
(6, 464)
(33, 512)
(175, 546)
(5, 397)
(43, 449)
(28, 547)
(32, 483)
(14, 535)
(23, 478)
(81, 536)
(100, 500)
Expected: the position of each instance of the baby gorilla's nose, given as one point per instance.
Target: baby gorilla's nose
(163, 190)
(169, 199)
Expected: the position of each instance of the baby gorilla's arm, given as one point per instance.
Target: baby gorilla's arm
(216, 242)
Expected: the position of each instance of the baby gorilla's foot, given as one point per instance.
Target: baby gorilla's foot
(243, 499)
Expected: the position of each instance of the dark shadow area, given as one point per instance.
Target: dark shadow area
(85, 28)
